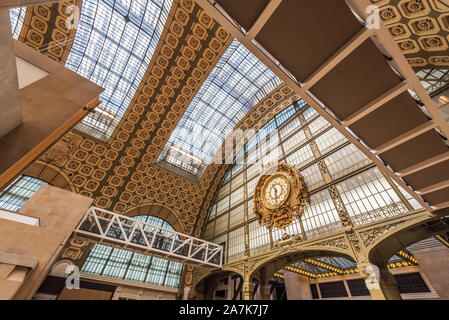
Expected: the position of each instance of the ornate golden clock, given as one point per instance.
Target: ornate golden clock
(280, 196)
(276, 189)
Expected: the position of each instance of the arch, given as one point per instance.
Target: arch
(59, 269)
(170, 215)
(266, 268)
(203, 287)
(51, 174)
(388, 245)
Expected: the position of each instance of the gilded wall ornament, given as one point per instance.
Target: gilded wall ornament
(369, 237)
(62, 150)
(339, 243)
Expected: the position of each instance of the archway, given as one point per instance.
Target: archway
(387, 246)
(206, 286)
(50, 174)
(160, 211)
(263, 273)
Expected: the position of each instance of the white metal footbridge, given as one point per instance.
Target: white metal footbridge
(112, 229)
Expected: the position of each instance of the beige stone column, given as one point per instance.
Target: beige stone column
(231, 288)
(297, 287)
(388, 285)
(264, 291)
(434, 264)
(185, 296)
(380, 282)
(247, 290)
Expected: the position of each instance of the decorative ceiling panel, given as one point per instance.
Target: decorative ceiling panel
(421, 29)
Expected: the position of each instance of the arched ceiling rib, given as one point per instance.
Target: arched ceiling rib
(421, 30)
(333, 266)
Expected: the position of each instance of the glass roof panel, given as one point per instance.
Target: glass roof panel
(338, 262)
(234, 86)
(113, 46)
(433, 79)
(17, 17)
(395, 258)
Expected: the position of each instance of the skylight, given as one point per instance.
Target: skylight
(113, 46)
(17, 17)
(433, 79)
(234, 86)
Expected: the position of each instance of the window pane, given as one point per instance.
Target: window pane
(15, 196)
(368, 197)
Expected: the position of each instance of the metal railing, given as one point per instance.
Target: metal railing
(109, 228)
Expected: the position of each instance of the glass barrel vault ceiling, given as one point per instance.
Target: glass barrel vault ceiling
(234, 86)
(113, 46)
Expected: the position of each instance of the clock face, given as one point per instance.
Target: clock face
(276, 191)
(279, 196)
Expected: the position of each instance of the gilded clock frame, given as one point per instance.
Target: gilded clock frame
(280, 215)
